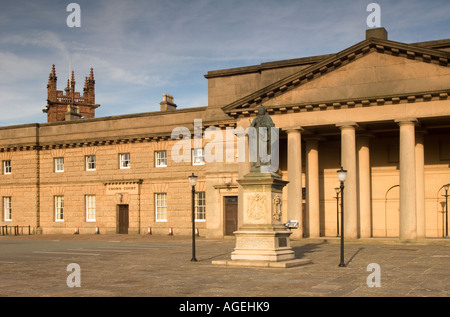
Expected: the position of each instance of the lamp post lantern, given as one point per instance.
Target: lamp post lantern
(338, 190)
(342, 174)
(193, 182)
(446, 209)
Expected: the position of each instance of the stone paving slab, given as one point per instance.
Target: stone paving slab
(160, 266)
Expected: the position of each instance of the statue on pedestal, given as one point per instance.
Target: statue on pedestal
(262, 138)
(262, 239)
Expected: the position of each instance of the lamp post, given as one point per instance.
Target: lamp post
(342, 174)
(338, 190)
(446, 209)
(193, 182)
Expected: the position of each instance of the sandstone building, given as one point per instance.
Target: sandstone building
(379, 108)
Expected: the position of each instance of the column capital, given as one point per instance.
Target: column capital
(349, 124)
(406, 121)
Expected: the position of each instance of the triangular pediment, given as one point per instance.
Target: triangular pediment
(371, 70)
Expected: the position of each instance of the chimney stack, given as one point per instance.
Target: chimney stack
(378, 33)
(167, 103)
(73, 113)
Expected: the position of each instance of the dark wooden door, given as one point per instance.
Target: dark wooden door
(231, 215)
(123, 219)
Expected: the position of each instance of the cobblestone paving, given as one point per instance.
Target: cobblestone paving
(160, 266)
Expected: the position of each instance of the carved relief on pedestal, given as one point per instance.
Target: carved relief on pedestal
(256, 206)
(277, 204)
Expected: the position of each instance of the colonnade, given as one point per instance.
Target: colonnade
(355, 158)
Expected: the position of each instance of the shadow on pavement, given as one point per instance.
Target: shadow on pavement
(303, 250)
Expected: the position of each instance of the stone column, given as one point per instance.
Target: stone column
(420, 186)
(312, 187)
(408, 225)
(348, 162)
(364, 205)
(294, 187)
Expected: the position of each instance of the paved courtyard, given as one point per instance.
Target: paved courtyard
(160, 266)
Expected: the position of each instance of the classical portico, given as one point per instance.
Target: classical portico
(379, 109)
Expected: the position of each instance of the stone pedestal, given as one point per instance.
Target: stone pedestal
(262, 240)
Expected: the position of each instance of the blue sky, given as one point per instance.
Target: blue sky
(142, 49)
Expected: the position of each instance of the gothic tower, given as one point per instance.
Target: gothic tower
(69, 105)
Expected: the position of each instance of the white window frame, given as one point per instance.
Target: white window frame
(7, 209)
(59, 164)
(160, 160)
(161, 207)
(200, 203)
(7, 167)
(124, 160)
(59, 208)
(91, 165)
(90, 208)
(198, 156)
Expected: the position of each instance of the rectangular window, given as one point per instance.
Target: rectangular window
(90, 208)
(200, 206)
(90, 163)
(7, 167)
(198, 157)
(161, 206)
(59, 208)
(124, 160)
(160, 158)
(7, 215)
(59, 164)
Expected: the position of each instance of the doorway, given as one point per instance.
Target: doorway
(231, 215)
(123, 219)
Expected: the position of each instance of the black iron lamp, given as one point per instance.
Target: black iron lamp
(193, 182)
(342, 174)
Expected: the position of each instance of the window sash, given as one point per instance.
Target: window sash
(59, 164)
(161, 206)
(7, 211)
(7, 167)
(90, 207)
(90, 163)
(161, 158)
(125, 160)
(59, 208)
(200, 206)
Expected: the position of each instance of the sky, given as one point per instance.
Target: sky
(140, 50)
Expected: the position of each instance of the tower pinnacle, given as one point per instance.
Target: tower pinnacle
(58, 101)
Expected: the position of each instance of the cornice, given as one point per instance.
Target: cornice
(136, 138)
(266, 66)
(248, 104)
(369, 101)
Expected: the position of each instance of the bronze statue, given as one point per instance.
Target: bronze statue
(262, 140)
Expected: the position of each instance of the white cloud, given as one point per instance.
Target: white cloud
(16, 69)
(43, 39)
